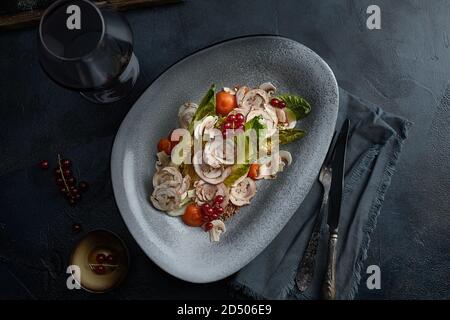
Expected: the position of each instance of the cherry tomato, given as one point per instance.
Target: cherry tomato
(254, 171)
(165, 145)
(193, 215)
(225, 102)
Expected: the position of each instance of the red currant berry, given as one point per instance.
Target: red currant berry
(100, 258)
(205, 219)
(227, 133)
(44, 164)
(83, 186)
(100, 269)
(231, 118)
(228, 126)
(59, 181)
(76, 228)
(274, 102)
(66, 163)
(209, 211)
(208, 226)
(218, 199)
(219, 211)
(215, 216)
(111, 258)
(67, 173)
(282, 105)
(239, 118)
(57, 172)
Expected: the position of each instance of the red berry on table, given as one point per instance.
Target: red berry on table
(231, 118)
(208, 226)
(67, 173)
(239, 127)
(218, 199)
(70, 181)
(58, 172)
(83, 186)
(63, 190)
(275, 102)
(215, 216)
(44, 164)
(76, 228)
(59, 181)
(228, 125)
(210, 211)
(282, 105)
(66, 163)
(205, 219)
(240, 118)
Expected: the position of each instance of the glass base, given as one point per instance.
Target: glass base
(120, 89)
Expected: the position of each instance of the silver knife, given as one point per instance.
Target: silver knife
(334, 210)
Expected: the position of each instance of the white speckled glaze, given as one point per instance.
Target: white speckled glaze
(187, 252)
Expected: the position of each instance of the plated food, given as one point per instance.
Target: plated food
(208, 168)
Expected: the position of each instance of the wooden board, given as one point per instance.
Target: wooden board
(21, 13)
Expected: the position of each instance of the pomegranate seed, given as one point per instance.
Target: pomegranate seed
(218, 199)
(44, 164)
(231, 118)
(274, 102)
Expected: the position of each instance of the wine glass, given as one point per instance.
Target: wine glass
(88, 50)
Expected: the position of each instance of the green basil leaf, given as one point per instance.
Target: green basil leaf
(299, 106)
(207, 107)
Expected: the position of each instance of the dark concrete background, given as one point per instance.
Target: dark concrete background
(404, 68)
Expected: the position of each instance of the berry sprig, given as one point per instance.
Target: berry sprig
(211, 213)
(65, 181)
(233, 122)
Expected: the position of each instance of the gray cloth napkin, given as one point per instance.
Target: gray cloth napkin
(375, 142)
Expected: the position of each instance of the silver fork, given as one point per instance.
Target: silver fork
(306, 268)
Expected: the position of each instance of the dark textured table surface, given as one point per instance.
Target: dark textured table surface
(404, 67)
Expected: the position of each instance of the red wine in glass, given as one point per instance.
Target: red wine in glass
(88, 50)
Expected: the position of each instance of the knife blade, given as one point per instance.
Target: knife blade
(334, 209)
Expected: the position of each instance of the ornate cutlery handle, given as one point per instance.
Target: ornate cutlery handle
(306, 269)
(329, 284)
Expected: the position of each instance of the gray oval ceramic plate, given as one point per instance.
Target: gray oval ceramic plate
(187, 252)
